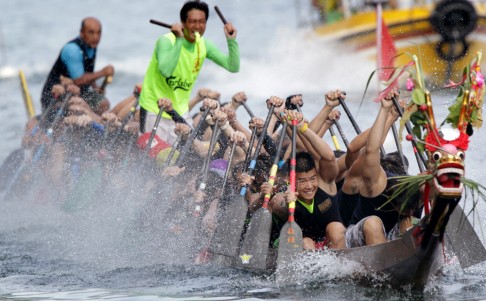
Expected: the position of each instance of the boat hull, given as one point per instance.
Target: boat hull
(405, 260)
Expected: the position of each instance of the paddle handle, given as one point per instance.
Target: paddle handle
(260, 140)
(251, 168)
(293, 164)
(59, 114)
(108, 79)
(160, 23)
(271, 181)
(247, 108)
(29, 107)
(212, 144)
(250, 148)
(191, 138)
(50, 130)
(341, 132)
(228, 168)
(397, 143)
(419, 156)
(154, 130)
(172, 152)
(350, 116)
(220, 14)
(355, 125)
(274, 169)
(127, 118)
(334, 139)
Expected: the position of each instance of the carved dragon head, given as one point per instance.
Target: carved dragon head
(445, 145)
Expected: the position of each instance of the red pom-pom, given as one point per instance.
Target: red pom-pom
(423, 107)
(434, 141)
(409, 137)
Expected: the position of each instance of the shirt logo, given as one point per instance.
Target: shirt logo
(177, 83)
(324, 206)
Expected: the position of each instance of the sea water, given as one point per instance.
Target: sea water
(49, 254)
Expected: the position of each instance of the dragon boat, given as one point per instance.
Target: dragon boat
(445, 34)
(417, 255)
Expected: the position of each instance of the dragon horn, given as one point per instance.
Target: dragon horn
(461, 124)
(430, 110)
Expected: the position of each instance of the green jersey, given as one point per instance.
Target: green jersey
(175, 66)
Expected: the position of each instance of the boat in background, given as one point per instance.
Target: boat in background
(444, 34)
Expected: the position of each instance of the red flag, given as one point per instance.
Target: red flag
(387, 53)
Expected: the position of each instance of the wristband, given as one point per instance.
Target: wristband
(225, 126)
(304, 128)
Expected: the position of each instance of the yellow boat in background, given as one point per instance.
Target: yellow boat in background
(445, 34)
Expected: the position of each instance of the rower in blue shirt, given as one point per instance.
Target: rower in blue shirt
(76, 61)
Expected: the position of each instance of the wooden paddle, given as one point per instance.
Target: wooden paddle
(250, 149)
(353, 122)
(251, 167)
(350, 116)
(334, 139)
(108, 79)
(233, 220)
(127, 118)
(167, 162)
(192, 136)
(341, 133)
(290, 241)
(228, 168)
(216, 244)
(212, 143)
(419, 156)
(40, 149)
(154, 130)
(201, 237)
(50, 131)
(254, 250)
(464, 240)
(397, 143)
(226, 236)
(247, 108)
(29, 107)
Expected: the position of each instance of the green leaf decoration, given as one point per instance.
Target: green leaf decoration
(418, 96)
(408, 185)
(417, 132)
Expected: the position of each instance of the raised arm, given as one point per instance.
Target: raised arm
(230, 62)
(332, 101)
(372, 174)
(324, 154)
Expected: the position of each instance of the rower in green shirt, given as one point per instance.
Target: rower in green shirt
(176, 61)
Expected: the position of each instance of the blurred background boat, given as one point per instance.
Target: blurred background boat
(444, 34)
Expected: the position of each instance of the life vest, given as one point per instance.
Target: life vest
(60, 68)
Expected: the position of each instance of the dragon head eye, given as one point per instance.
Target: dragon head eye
(436, 156)
(461, 155)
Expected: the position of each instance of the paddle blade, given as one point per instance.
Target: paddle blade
(464, 241)
(227, 235)
(289, 248)
(254, 251)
